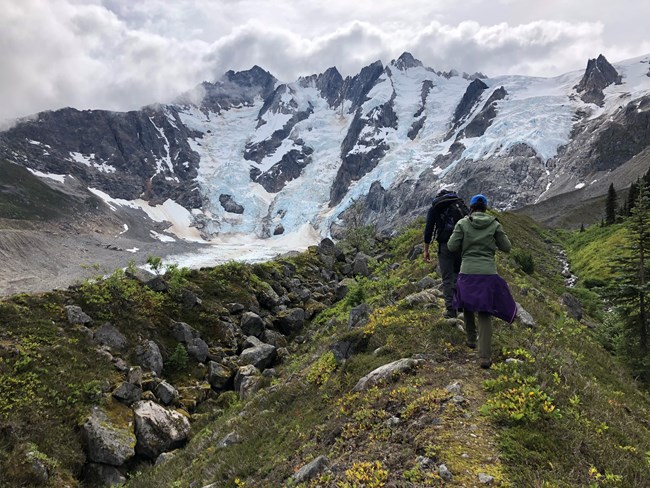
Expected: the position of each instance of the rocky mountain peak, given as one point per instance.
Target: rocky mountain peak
(235, 88)
(598, 75)
(329, 85)
(469, 100)
(356, 88)
(405, 61)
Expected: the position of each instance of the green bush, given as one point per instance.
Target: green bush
(178, 361)
(525, 261)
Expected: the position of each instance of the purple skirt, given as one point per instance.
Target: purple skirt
(485, 293)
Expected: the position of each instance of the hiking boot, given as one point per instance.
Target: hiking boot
(450, 314)
(471, 344)
(486, 363)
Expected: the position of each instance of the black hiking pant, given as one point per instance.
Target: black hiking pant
(449, 265)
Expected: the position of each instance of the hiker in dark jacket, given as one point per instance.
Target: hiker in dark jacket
(448, 262)
(479, 288)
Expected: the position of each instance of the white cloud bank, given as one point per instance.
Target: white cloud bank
(120, 54)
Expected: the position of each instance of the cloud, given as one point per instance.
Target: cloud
(120, 55)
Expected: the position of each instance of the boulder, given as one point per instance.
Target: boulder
(267, 296)
(342, 288)
(149, 357)
(248, 381)
(360, 264)
(158, 429)
(111, 337)
(326, 247)
(166, 393)
(359, 315)
(386, 372)
(261, 356)
(290, 321)
(139, 274)
(229, 440)
(190, 299)
(426, 297)
(127, 393)
(157, 284)
(235, 307)
(183, 332)
(428, 282)
(198, 349)
(275, 338)
(77, 316)
(252, 324)
(219, 376)
(524, 317)
(311, 470)
(134, 376)
(346, 348)
(573, 306)
(104, 441)
(165, 456)
(33, 467)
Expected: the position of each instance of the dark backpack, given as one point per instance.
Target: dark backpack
(449, 209)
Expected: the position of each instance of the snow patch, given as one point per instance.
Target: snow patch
(52, 176)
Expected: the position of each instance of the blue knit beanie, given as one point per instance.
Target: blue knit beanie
(478, 198)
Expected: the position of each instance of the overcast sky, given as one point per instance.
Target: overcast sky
(122, 54)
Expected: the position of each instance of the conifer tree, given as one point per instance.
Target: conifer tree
(610, 205)
(632, 196)
(631, 292)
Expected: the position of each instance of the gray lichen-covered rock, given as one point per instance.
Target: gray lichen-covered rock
(158, 429)
(248, 380)
(35, 467)
(359, 315)
(252, 324)
(166, 393)
(486, 479)
(183, 332)
(290, 321)
(110, 336)
(386, 372)
(424, 297)
(128, 393)
(444, 473)
(267, 297)
(360, 264)
(219, 376)
(229, 440)
(311, 470)
(135, 376)
(261, 356)
(149, 357)
(198, 349)
(275, 338)
(105, 442)
(77, 316)
(525, 318)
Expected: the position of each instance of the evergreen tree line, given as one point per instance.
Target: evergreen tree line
(629, 292)
(613, 212)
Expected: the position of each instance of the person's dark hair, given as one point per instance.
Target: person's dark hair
(479, 206)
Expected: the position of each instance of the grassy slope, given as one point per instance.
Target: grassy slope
(566, 415)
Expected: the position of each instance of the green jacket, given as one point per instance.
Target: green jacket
(477, 237)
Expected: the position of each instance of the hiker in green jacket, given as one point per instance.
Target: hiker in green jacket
(479, 288)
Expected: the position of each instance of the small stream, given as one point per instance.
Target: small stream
(569, 278)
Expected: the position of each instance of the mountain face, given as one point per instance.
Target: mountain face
(248, 154)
